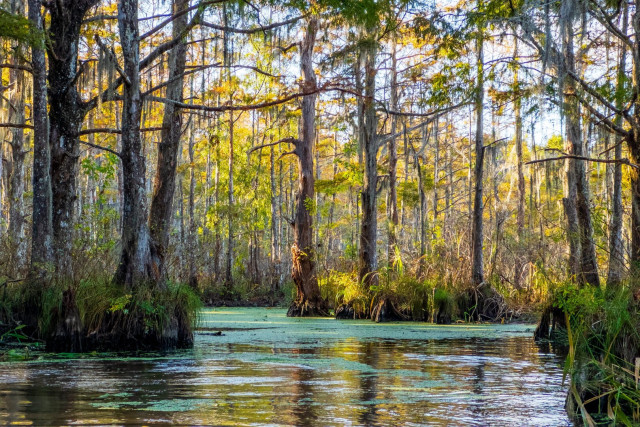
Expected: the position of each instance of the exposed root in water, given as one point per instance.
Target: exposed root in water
(483, 303)
(67, 335)
(551, 321)
(307, 308)
(385, 311)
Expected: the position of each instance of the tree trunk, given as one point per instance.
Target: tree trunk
(139, 261)
(393, 157)
(477, 268)
(17, 82)
(422, 211)
(193, 236)
(42, 228)
(616, 251)
(369, 226)
(588, 267)
(161, 212)
(230, 231)
(521, 183)
(275, 231)
(436, 176)
(308, 301)
(66, 114)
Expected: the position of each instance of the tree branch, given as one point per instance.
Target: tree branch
(289, 140)
(115, 131)
(245, 107)
(114, 58)
(99, 147)
(251, 30)
(15, 125)
(588, 159)
(17, 67)
(286, 154)
(176, 15)
(148, 60)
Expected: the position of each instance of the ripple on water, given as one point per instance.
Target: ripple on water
(269, 370)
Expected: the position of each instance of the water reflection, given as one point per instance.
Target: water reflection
(300, 372)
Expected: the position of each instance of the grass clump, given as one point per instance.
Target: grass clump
(146, 311)
(104, 315)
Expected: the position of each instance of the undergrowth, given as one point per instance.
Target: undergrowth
(98, 301)
(603, 344)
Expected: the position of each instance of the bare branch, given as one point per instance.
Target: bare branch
(251, 30)
(15, 125)
(588, 159)
(115, 131)
(289, 140)
(286, 154)
(17, 67)
(148, 60)
(603, 119)
(99, 147)
(429, 114)
(176, 15)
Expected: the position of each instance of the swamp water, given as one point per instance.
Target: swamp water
(270, 369)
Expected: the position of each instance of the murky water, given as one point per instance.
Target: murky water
(268, 369)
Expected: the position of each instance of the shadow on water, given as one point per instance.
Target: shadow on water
(268, 369)
(368, 384)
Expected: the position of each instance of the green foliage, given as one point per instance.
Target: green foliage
(343, 288)
(310, 205)
(443, 301)
(555, 143)
(14, 334)
(603, 339)
(408, 193)
(19, 28)
(100, 298)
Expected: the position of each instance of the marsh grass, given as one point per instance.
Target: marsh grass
(102, 305)
(603, 342)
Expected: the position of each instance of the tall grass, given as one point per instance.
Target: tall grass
(603, 341)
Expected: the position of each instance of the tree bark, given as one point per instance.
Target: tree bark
(521, 182)
(369, 226)
(393, 157)
(588, 267)
(17, 82)
(309, 301)
(42, 226)
(230, 231)
(436, 176)
(66, 114)
(193, 236)
(139, 261)
(275, 231)
(477, 239)
(616, 250)
(161, 212)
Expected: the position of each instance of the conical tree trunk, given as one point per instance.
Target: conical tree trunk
(308, 300)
